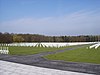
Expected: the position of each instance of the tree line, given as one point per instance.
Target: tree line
(11, 38)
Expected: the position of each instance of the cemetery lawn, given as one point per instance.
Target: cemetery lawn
(15, 50)
(78, 55)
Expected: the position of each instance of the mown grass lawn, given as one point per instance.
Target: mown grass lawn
(15, 50)
(78, 55)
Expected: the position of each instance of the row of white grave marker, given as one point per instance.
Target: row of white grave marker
(4, 47)
(4, 50)
(45, 44)
(37, 44)
(95, 46)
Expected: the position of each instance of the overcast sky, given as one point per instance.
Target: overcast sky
(50, 17)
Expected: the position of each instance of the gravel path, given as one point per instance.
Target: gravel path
(38, 60)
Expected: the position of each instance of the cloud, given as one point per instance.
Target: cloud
(77, 23)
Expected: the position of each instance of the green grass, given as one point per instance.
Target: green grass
(14, 50)
(78, 55)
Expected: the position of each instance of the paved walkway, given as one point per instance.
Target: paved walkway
(10, 68)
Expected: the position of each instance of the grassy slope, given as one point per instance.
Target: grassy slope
(30, 50)
(78, 55)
